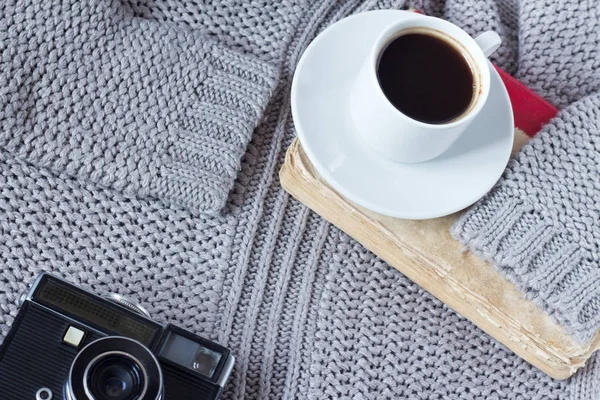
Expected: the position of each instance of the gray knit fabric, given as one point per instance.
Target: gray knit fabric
(541, 224)
(307, 311)
(148, 108)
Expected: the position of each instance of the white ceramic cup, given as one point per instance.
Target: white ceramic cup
(395, 135)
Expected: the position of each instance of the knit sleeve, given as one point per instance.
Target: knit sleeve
(141, 106)
(541, 224)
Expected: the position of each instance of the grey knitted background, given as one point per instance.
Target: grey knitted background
(307, 311)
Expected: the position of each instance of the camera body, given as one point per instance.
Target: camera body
(70, 344)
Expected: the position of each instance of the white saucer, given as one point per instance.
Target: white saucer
(449, 183)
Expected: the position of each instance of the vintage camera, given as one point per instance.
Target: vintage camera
(69, 344)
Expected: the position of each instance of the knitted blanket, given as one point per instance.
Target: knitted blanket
(139, 147)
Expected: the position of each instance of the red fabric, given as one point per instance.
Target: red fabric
(531, 111)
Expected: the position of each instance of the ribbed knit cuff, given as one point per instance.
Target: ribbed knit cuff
(209, 136)
(549, 265)
(540, 225)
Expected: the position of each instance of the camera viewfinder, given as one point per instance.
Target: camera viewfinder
(191, 354)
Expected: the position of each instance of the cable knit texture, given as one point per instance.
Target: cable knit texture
(308, 312)
(150, 109)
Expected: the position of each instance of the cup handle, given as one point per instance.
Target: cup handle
(488, 42)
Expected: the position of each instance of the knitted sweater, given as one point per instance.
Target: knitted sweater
(88, 89)
(307, 311)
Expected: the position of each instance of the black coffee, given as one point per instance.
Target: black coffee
(426, 78)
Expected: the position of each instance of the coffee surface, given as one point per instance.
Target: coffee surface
(426, 78)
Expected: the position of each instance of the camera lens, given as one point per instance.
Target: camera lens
(115, 368)
(115, 377)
